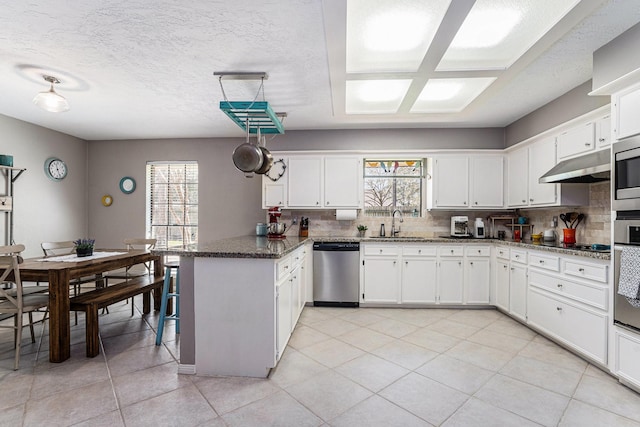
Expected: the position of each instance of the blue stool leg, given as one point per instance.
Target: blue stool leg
(163, 305)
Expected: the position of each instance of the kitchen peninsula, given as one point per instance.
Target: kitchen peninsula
(241, 297)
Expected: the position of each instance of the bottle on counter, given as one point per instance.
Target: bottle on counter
(382, 232)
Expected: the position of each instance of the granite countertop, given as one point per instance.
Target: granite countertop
(262, 247)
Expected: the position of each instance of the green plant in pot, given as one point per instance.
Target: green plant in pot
(84, 247)
(362, 229)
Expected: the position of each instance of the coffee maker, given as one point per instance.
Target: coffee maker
(459, 226)
(276, 228)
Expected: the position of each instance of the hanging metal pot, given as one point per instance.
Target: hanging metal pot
(247, 157)
(267, 162)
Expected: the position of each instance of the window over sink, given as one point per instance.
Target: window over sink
(391, 185)
(172, 203)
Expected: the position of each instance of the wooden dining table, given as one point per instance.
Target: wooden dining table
(59, 275)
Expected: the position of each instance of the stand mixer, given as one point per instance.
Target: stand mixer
(276, 228)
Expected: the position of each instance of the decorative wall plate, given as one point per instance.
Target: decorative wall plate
(107, 200)
(127, 185)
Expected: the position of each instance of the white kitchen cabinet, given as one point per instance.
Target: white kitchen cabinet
(450, 281)
(342, 182)
(626, 104)
(381, 280)
(627, 355)
(603, 132)
(419, 285)
(451, 182)
(518, 178)
(502, 285)
(476, 282)
(273, 194)
(542, 157)
(487, 182)
(284, 308)
(305, 182)
(518, 291)
(577, 140)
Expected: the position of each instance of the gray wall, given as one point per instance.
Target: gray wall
(45, 210)
(616, 58)
(229, 203)
(572, 104)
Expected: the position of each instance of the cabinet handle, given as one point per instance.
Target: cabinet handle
(541, 261)
(531, 200)
(587, 144)
(406, 263)
(512, 269)
(476, 203)
(286, 267)
(602, 139)
(559, 285)
(380, 250)
(517, 256)
(327, 203)
(524, 201)
(459, 262)
(581, 270)
(479, 251)
(419, 251)
(559, 308)
(471, 262)
(464, 202)
(317, 203)
(504, 266)
(394, 262)
(451, 250)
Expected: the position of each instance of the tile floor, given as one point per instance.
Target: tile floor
(343, 367)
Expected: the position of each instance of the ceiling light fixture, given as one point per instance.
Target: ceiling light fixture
(50, 100)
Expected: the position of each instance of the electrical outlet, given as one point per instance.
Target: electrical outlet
(294, 220)
(555, 221)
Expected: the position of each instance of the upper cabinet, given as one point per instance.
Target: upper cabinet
(468, 182)
(603, 132)
(518, 178)
(626, 107)
(324, 182)
(542, 157)
(577, 140)
(274, 185)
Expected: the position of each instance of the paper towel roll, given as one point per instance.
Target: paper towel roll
(346, 214)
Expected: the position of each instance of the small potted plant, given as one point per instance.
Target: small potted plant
(362, 229)
(84, 247)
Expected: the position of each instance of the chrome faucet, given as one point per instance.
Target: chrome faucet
(395, 231)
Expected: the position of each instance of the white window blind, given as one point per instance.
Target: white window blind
(172, 203)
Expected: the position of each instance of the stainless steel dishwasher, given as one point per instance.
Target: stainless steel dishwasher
(336, 274)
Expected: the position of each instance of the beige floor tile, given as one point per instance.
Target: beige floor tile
(279, 409)
(547, 351)
(424, 397)
(328, 394)
(377, 412)
(334, 327)
(15, 387)
(405, 354)
(293, 368)
(137, 359)
(304, 336)
(393, 327)
(362, 317)
(129, 341)
(12, 416)
(594, 371)
(498, 341)
(542, 374)
(72, 406)
(480, 355)
(123, 327)
(580, 414)
(431, 340)
(613, 397)
(332, 352)
(67, 376)
(365, 339)
(148, 383)
(418, 317)
(455, 373)
(184, 407)
(477, 318)
(372, 372)
(478, 413)
(507, 326)
(517, 397)
(311, 315)
(226, 394)
(454, 329)
(111, 419)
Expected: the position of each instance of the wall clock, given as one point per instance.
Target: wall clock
(277, 170)
(55, 169)
(107, 200)
(127, 185)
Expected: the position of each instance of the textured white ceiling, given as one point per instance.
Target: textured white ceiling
(140, 69)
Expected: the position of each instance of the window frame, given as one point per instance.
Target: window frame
(421, 177)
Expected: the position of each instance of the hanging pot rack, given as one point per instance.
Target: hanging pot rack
(254, 117)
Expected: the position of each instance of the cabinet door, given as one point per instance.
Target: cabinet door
(477, 281)
(518, 291)
(295, 296)
(283, 315)
(451, 182)
(418, 280)
(603, 132)
(450, 281)
(273, 194)
(628, 109)
(342, 178)
(542, 157)
(305, 182)
(381, 280)
(487, 181)
(517, 178)
(578, 140)
(502, 288)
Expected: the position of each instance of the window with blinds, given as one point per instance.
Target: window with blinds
(172, 203)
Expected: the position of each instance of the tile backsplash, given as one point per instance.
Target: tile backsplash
(594, 229)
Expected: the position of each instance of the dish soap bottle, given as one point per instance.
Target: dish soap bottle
(382, 232)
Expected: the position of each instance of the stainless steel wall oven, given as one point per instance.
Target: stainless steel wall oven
(626, 234)
(626, 175)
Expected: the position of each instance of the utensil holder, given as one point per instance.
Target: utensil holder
(569, 235)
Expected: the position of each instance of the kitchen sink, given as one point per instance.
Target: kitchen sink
(408, 238)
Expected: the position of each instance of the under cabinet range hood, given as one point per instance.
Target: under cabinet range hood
(594, 167)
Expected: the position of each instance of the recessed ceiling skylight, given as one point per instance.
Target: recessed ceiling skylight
(385, 35)
(495, 34)
(375, 96)
(449, 95)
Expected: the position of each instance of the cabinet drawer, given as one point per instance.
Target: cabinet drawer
(477, 251)
(517, 255)
(581, 328)
(586, 270)
(297, 257)
(593, 295)
(419, 250)
(382, 250)
(502, 253)
(283, 267)
(451, 250)
(548, 262)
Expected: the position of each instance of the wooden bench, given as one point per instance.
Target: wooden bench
(90, 302)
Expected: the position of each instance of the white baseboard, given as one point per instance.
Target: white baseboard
(187, 369)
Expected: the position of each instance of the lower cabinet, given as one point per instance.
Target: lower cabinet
(419, 280)
(518, 291)
(450, 281)
(290, 296)
(627, 350)
(477, 276)
(502, 285)
(284, 305)
(381, 280)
